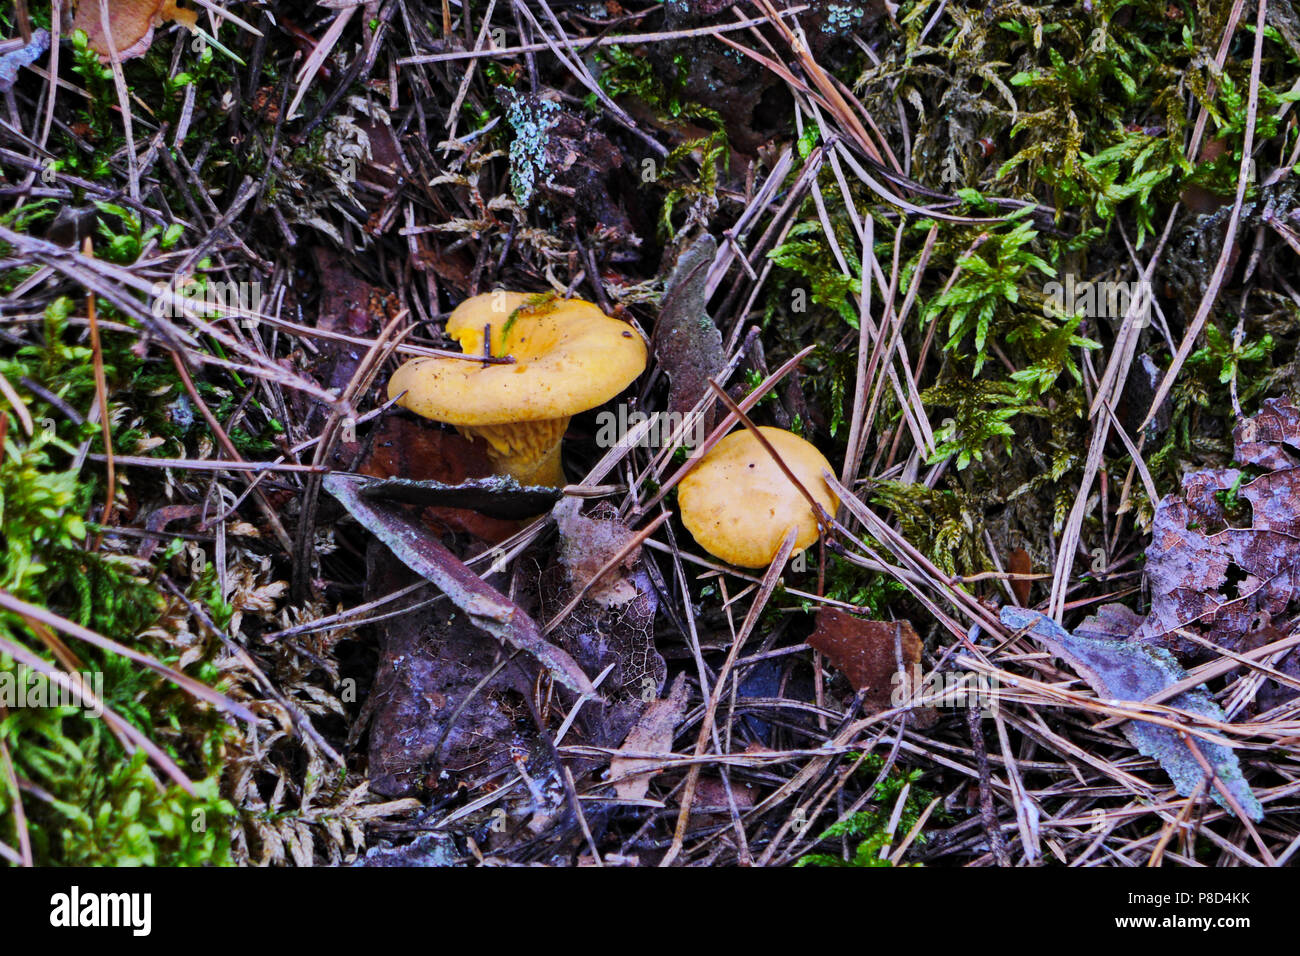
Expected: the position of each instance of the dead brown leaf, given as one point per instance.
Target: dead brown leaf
(688, 346)
(1018, 562)
(435, 706)
(588, 544)
(711, 803)
(866, 652)
(653, 734)
(1222, 581)
(131, 23)
(407, 449)
(1133, 671)
(613, 623)
(422, 552)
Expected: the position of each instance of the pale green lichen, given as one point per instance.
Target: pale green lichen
(532, 119)
(842, 17)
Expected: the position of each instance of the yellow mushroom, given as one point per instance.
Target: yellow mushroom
(739, 504)
(568, 357)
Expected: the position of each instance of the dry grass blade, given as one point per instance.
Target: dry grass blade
(604, 41)
(105, 413)
(915, 560)
(770, 580)
(1211, 295)
(18, 405)
(191, 686)
(319, 54)
(221, 13)
(1108, 394)
(24, 855)
(123, 100)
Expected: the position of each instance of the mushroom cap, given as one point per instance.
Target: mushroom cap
(738, 503)
(569, 357)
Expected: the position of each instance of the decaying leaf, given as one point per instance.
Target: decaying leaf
(23, 56)
(586, 545)
(653, 734)
(428, 849)
(423, 553)
(348, 306)
(498, 496)
(613, 623)
(711, 806)
(1019, 562)
(866, 652)
(1221, 581)
(406, 453)
(131, 23)
(1112, 622)
(1199, 200)
(688, 346)
(439, 701)
(1133, 671)
(610, 630)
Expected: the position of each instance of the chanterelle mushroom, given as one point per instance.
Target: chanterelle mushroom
(568, 357)
(739, 504)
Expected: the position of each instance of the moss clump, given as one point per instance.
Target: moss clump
(868, 826)
(87, 801)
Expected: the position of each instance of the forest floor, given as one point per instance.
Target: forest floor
(1026, 274)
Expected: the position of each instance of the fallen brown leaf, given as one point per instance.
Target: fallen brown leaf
(1215, 579)
(1018, 562)
(437, 703)
(866, 652)
(407, 449)
(131, 23)
(1132, 671)
(688, 346)
(711, 803)
(586, 545)
(612, 624)
(653, 734)
(486, 607)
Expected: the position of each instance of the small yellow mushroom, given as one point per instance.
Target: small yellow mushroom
(568, 357)
(738, 503)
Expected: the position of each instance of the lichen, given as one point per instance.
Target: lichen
(532, 119)
(842, 17)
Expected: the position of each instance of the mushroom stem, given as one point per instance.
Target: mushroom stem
(527, 451)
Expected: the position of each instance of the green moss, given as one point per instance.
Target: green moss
(94, 803)
(626, 74)
(867, 827)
